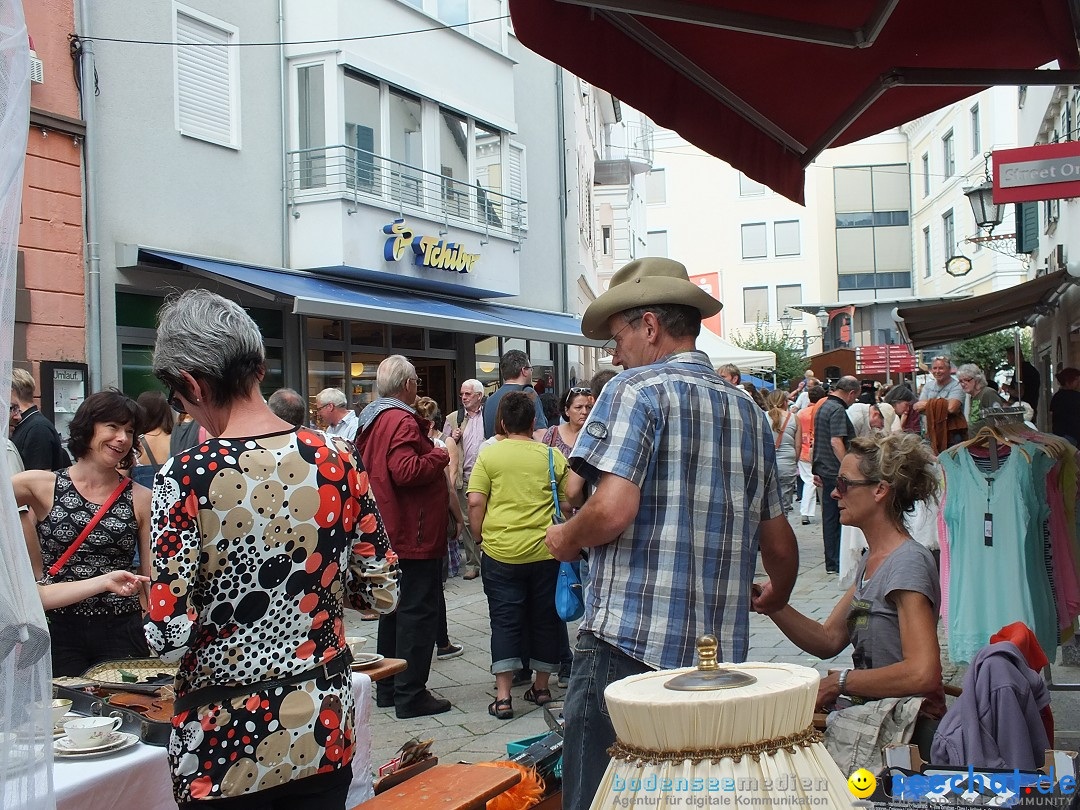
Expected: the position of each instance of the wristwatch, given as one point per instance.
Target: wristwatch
(842, 681)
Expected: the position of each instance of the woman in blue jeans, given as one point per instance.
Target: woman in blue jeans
(510, 507)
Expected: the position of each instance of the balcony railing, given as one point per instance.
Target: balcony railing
(365, 177)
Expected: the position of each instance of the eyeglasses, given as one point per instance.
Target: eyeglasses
(174, 401)
(610, 347)
(14, 408)
(844, 484)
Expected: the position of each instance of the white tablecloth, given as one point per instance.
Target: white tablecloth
(139, 777)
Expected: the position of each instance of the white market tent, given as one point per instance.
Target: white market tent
(721, 352)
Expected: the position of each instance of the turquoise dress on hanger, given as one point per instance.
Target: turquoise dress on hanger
(993, 585)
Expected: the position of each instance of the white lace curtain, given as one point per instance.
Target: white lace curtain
(25, 668)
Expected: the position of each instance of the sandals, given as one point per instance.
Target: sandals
(541, 697)
(502, 709)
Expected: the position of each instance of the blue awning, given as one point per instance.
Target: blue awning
(328, 298)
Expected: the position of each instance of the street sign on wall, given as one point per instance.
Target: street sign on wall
(884, 359)
(1046, 172)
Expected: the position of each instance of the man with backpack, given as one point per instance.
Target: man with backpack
(464, 428)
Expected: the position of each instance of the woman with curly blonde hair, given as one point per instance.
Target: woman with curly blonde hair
(889, 616)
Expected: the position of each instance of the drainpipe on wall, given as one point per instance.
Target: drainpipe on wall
(93, 257)
(284, 137)
(560, 111)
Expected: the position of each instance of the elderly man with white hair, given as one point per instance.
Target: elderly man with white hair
(407, 476)
(332, 406)
(464, 431)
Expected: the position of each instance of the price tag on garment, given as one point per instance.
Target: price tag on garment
(988, 529)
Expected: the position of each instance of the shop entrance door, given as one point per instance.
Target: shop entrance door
(436, 381)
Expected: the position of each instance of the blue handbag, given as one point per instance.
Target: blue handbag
(569, 595)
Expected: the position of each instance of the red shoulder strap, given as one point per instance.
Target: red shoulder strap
(105, 507)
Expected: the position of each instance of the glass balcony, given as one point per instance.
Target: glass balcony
(365, 177)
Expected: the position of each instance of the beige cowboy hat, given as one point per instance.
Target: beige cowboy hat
(640, 284)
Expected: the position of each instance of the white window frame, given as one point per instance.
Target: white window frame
(948, 154)
(976, 130)
(742, 240)
(776, 241)
(233, 32)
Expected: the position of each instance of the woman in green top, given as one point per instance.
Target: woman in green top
(510, 507)
(973, 382)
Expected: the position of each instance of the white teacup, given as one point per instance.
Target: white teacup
(355, 644)
(87, 732)
(60, 707)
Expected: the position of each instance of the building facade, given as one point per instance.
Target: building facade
(360, 186)
(50, 308)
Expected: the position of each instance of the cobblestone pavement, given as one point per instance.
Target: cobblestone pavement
(468, 733)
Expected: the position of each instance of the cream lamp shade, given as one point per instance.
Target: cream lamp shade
(722, 746)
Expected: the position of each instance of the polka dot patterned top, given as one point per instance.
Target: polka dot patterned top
(259, 544)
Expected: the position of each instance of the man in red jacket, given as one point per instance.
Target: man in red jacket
(407, 475)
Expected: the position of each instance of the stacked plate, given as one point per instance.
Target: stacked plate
(65, 748)
(365, 660)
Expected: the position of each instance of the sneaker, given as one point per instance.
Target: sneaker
(425, 705)
(563, 679)
(522, 677)
(451, 650)
(805, 521)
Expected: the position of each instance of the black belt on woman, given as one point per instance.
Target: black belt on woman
(219, 694)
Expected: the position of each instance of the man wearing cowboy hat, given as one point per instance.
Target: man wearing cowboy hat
(686, 492)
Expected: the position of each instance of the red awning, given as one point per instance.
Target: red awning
(767, 93)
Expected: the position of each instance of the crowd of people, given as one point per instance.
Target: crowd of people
(220, 531)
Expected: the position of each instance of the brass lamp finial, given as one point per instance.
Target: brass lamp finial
(709, 675)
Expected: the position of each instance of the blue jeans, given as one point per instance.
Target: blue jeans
(521, 606)
(589, 732)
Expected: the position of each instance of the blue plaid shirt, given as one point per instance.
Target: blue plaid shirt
(703, 455)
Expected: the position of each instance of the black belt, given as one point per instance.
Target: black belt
(219, 694)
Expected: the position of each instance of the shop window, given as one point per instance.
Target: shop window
(365, 333)
(139, 311)
(325, 369)
(324, 329)
(540, 351)
(136, 374)
(487, 346)
(514, 343)
(362, 368)
(442, 340)
(406, 337)
(269, 322)
(275, 371)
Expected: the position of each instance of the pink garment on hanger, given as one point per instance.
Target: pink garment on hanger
(1066, 588)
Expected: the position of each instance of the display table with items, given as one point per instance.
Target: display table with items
(739, 734)
(126, 771)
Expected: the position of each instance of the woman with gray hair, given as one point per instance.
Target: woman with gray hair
(261, 537)
(980, 396)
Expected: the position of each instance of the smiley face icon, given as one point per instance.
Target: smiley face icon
(861, 783)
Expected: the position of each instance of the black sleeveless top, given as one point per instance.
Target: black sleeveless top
(110, 546)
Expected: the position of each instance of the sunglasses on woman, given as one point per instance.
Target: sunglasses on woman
(174, 401)
(843, 484)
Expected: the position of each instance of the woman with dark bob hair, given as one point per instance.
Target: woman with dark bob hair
(261, 538)
(889, 616)
(102, 440)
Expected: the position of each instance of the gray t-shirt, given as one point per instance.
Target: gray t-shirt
(950, 390)
(873, 621)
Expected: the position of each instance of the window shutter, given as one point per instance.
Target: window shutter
(204, 80)
(1027, 227)
(515, 187)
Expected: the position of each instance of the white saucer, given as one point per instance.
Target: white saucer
(117, 741)
(365, 660)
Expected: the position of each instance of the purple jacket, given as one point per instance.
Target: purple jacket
(995, 723)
